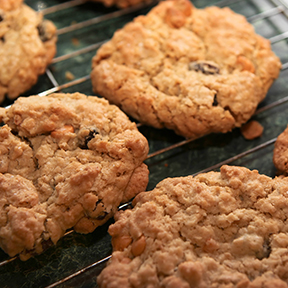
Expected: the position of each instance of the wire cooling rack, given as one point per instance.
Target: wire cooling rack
(82, 28)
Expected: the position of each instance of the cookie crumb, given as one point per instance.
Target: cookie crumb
(69, 75)
(252, 130)
(75, 41)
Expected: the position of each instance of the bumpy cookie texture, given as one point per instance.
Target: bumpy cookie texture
(219, 229)
(280, 153)
(27, 46)
(67, 161)
(122, 3)
(191, 70)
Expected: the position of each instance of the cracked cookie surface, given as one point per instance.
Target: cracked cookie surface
(67, 161)
(218, 229)
(195, 71)
(27, 46)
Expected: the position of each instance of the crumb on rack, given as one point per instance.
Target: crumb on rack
(69, 75)
(75, 41)
(252, 130)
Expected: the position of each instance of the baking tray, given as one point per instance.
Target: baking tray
(83, 27)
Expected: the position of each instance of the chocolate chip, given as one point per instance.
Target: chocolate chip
(204, 67)
(215, 102)
(1, 18)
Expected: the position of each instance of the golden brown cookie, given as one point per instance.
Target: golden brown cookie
(191, 70)
(218, 229)
(67, 161)
(27, 46)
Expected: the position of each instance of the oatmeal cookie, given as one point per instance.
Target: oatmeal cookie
(67, 161)
(27, 46)
(280, 153)
(218, 229)
(195, 71)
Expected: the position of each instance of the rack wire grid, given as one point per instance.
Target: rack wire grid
(83, 27)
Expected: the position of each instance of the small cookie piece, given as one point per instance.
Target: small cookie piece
(195, 71)
(122, 3)
(67, 161)
(218, 229)
(280, 153)
(251, 130)
(27, 46)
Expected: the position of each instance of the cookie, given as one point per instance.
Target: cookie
(122, 3)
(196, 71)
(67, 161)
(218, 229)
(280, 153)
(27, 46)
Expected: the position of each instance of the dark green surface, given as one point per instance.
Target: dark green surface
(75, 251)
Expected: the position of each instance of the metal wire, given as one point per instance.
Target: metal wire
(280, 7)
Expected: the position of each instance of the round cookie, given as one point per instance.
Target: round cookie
(280, 153)
(67, 161)
(218, 229)
(191, 70)
(27, 46)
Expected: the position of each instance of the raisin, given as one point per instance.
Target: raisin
(215, 102)
(204, 67)
(43, 33)
(265, 253)
(90, 136)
